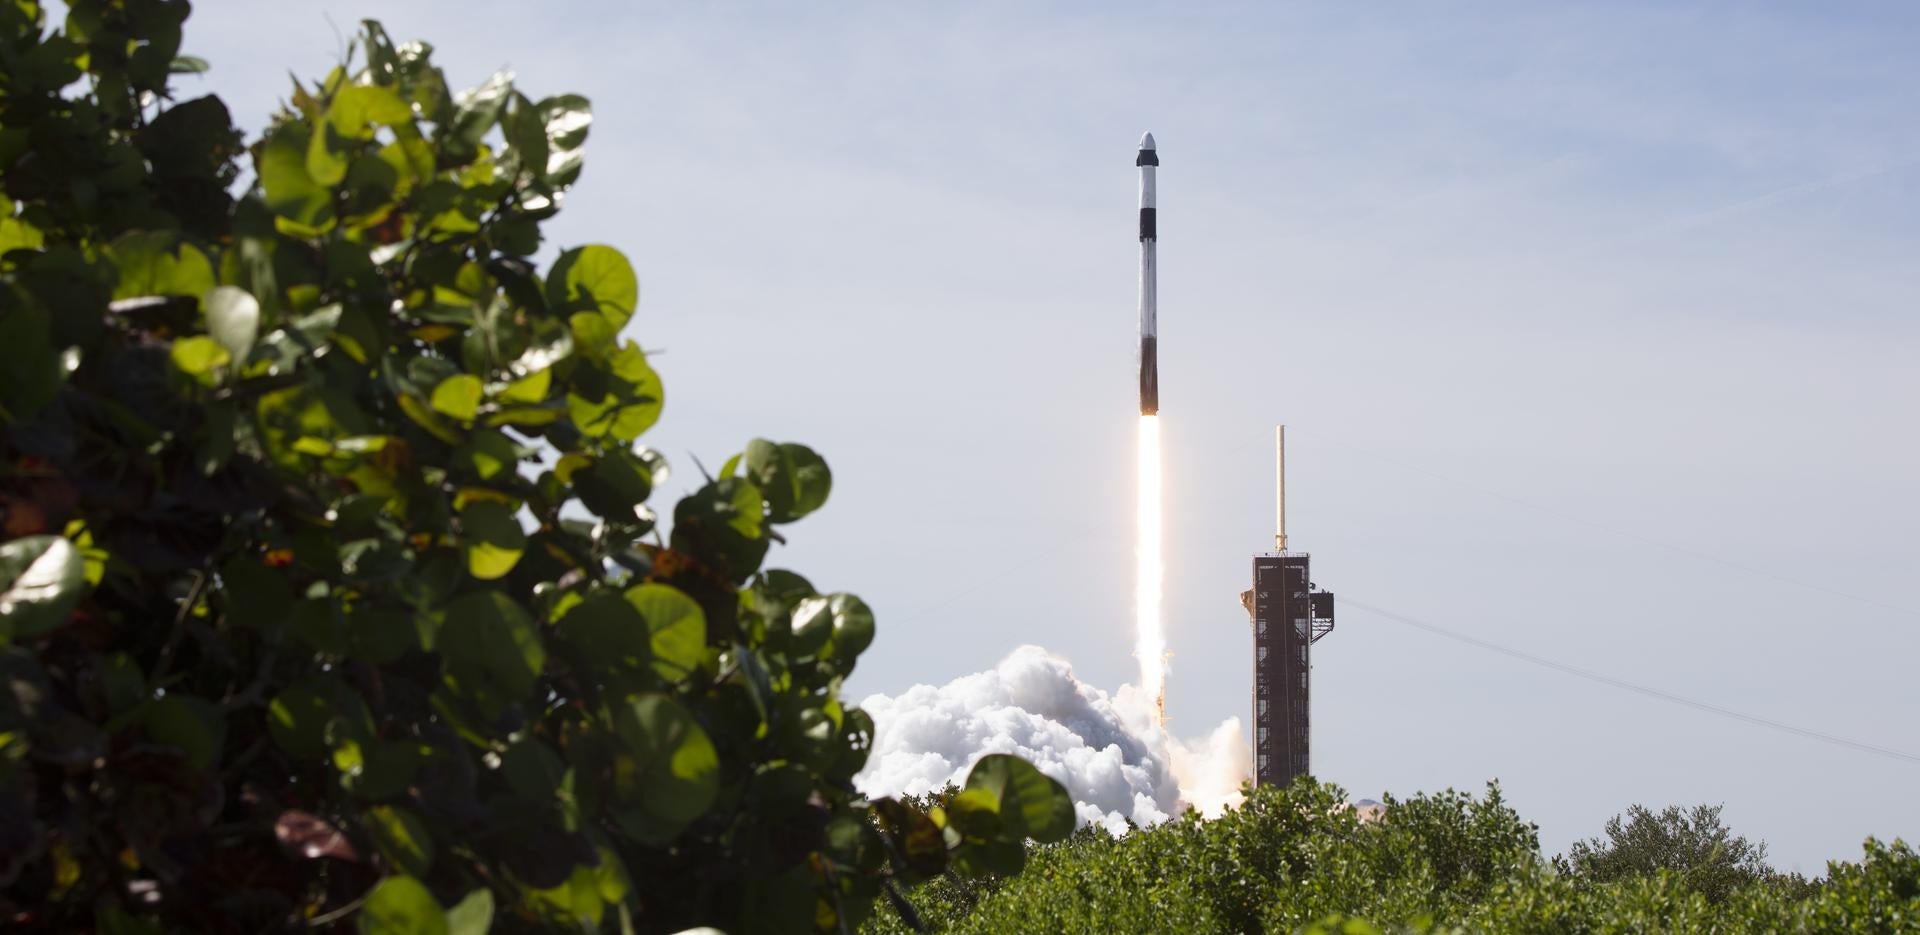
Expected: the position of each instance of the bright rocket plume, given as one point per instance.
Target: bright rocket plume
(1150, 643)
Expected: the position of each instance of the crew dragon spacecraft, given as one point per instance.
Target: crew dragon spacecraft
(1148, 161)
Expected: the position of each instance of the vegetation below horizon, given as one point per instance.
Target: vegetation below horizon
(1300, 860)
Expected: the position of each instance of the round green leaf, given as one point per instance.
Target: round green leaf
(301, 718)
(491, 649)
(593, 416)
(356, 108)
(159, 263)
(614, 486)
(794, 479)
(427, 419)
(855, 743)
(678, 768)
(411, 159)
(637, 387)
(233, 319)
(487, 453)
(594, 278)
(530, 389)
(493, 538)
(593, 335)
(402, 838)
(812, 626)
(198, 356)
(1030, 803)
(836, 625)
(607, 630)
(42, 578)
(459, 396)
(577, 899)
(852, 625)
(17, 234)
(676, 626)
(402, 905)
(473, 916)
(526, 134)
(300, 205)
(349, 124)
(914, 835)
(567, 118)
(721, 524)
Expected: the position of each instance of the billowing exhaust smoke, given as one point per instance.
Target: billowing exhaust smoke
(1109, 750)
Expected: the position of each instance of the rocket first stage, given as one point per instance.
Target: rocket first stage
(1148, 160)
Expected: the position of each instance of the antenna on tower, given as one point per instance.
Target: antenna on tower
(1280, 488)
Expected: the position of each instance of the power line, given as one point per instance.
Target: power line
(1694, 554)
(1624, 685)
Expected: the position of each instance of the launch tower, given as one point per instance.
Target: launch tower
(1289, 614)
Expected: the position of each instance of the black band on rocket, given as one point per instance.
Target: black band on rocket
(1149, 376)
(1147, 225)
(1147, 157)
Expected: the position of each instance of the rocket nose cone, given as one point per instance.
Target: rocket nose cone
(1146, 141)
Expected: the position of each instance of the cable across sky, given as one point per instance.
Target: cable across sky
(1680, 550)
(1624, 685)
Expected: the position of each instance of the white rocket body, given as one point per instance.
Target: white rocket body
(1148, 161)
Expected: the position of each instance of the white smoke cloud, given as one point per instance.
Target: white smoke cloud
(1211, 768)
(1108, 750)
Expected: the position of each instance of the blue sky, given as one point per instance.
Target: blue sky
(1570, 309)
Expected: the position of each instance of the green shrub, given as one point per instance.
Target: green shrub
(1692, 843)
(329, 586)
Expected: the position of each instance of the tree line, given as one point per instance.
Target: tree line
(1299, 859)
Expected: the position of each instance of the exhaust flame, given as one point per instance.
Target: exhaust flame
(1150, 645)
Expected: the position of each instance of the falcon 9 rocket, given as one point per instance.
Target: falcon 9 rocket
(1148, 160)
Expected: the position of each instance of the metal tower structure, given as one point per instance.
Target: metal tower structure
(1288, 614)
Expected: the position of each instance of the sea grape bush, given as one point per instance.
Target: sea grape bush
(330, 591)
(1298, 860)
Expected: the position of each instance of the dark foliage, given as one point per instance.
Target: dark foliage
(330, 594)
